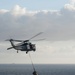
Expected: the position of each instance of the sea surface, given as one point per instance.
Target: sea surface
(42, 69)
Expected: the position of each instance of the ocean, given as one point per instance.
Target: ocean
(42, 69)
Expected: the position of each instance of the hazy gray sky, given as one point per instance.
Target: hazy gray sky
(58, 25)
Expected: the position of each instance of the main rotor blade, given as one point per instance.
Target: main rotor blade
(24, 40)
(39, 39)
(35, 35)
(9, 48)
(18, 40)
(14, 40)
(9, 39)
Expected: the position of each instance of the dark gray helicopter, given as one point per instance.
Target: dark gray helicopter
(25, 45)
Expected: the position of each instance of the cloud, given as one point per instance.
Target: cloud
(56, 25)
(2, 11)
(72, 2)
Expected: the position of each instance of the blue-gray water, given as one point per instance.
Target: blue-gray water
(13, 69)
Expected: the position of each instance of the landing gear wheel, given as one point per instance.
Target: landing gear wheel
(26, 52)
(17, 51)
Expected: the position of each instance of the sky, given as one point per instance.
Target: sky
(34, 4)
(22, 19)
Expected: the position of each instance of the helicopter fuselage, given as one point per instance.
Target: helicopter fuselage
(26, 46)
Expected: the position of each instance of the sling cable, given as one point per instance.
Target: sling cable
(34, 72)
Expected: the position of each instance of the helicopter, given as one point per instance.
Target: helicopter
(24, 45)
